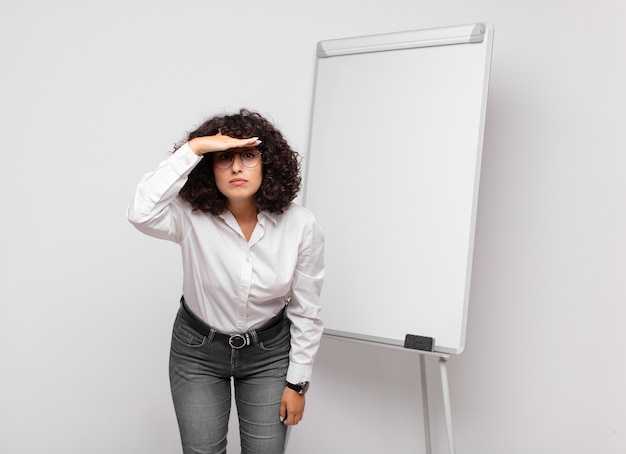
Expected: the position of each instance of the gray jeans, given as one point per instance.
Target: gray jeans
(201, 368)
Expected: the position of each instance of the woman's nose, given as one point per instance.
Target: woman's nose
(237, 164)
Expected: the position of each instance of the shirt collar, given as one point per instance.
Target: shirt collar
(271, 216)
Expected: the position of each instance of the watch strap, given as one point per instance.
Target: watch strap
(300, 388)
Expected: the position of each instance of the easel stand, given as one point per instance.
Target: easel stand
(445, 389)
(443, 369)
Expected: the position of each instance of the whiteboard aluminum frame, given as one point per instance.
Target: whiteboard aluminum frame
(461, 34)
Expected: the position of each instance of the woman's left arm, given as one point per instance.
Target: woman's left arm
(304, 308)
(304, 312)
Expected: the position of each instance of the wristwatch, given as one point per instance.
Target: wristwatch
(301, 388)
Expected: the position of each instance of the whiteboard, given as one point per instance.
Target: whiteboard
(392, 175)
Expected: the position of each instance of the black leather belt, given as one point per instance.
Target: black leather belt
(236, 340)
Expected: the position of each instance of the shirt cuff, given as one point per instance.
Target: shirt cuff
(297, 373)
(184, 159)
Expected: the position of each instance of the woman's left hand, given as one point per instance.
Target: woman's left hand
(291, 407)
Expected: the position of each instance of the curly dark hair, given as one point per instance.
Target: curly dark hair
(281, 165)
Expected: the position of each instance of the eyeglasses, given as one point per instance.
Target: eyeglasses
(249, 158)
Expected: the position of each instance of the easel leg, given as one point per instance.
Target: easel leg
(425, 408)
(446, 403)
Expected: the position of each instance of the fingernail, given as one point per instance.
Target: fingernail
(281, 419)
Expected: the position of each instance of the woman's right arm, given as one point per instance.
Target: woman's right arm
(152, 209)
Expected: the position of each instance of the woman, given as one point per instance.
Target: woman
(252, 275)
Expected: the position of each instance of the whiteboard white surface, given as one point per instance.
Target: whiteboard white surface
(392, 177)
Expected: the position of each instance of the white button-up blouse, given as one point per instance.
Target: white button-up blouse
(232, 284)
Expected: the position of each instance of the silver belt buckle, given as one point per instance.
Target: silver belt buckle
(238, 341)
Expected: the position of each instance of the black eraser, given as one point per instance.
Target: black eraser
(423, 343)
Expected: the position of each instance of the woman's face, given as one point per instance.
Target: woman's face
(238, 173)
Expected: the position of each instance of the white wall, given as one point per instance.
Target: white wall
(93, 94)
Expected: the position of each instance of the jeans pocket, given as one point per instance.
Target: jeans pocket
(186, 335)
(281, 341)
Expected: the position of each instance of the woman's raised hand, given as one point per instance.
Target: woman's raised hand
(219, 142)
